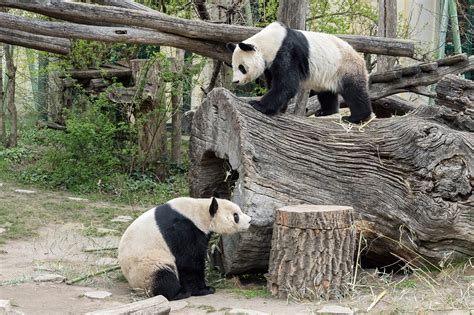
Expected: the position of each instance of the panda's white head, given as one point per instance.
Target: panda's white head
(248, 62)
(227, 217)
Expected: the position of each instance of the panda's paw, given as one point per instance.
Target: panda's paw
(261, 108)
(206, 291)
(358, 119)
(320, 113)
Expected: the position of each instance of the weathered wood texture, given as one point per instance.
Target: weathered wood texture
(10, 74)
(408, 79)
(157, 305)
(408, 178)
(34, 41)
(182, 28)
(387, 27)
(312, 253)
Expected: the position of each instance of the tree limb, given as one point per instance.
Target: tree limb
(39, 42)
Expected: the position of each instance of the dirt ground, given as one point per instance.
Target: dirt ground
(57, 247)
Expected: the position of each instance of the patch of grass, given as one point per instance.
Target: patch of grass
(251, 292)
(207, 308)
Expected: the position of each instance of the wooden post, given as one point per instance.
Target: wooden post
(177, 107)
(312, 252)
(11, 77)
(387, 28)
(2, 111)
(293, 14)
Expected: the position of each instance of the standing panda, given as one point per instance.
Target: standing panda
(291, 59)
(163, 251)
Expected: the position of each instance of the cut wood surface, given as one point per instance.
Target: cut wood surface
(193, 29)
(312, 253)
(157, 305)
(409, 179)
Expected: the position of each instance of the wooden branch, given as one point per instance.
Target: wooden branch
(455, 65)
(114, 34)
(157, 305)
(127, 4)
(409, 180)
(30, 40)
(94, 14)
(100, 73)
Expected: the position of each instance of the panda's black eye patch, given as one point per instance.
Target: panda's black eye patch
(236, 218)
(242, 69)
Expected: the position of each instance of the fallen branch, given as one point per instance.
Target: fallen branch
(34, 41)
(93, 274)
(98, 15)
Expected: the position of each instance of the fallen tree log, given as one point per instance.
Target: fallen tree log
(199, 30)
(34, 41)
(409, 179)
(406, 80)
(113, 34)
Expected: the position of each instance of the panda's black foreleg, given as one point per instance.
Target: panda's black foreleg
(166, 283)
(329, 104)
(193, 281)
(277, 98)
(356, 95)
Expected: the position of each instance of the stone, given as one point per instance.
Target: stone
(1, 184)
(178, 305)
(49, 277)
(5, 306)
(2, 230)
(335, 309)
(122, 218)
(25, 191)
(106, 261)
(99, 295)
(242, 311)
(77, 199)
(106, 231)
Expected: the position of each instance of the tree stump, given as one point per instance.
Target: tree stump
(312, 252)
(409, 179)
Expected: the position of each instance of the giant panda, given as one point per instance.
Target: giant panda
(291, 59)
(163, 251)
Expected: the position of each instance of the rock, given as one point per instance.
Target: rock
(99, 295)
(242, 311)
(106, 231)
(122, 218)
(1, 184)
(335, 309)
(25, 191)
(178, 305)
(42, 268)
(2, 230)
(77, 199)
(5, 306)
(49, 277)
(106, 261)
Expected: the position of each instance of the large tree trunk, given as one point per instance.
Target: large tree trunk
(387, 28)
(409, 179)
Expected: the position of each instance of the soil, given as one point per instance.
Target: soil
(59, 249)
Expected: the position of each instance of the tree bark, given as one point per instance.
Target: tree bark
(312, 253)
(169, 27)
(11, 76)
(176, 108)
(33, 40)
(293, 13)
(408, 179)
(387, 28)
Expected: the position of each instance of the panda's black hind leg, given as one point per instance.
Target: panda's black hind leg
(356, 95)
(167, 284)
(329, 104)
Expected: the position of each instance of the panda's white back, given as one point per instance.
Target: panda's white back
(330, 60)
(143, 250)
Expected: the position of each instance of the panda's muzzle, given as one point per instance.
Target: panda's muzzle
(236, 81)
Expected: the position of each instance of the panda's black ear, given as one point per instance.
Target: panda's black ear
(213, 207)
(230, 47)
(246, 47)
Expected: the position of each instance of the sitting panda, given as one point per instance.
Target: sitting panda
(291, 59)
(163, 251)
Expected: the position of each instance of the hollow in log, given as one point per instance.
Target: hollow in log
(312, 252)
(409, 179)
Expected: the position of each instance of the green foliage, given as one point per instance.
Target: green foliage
(342, 17)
